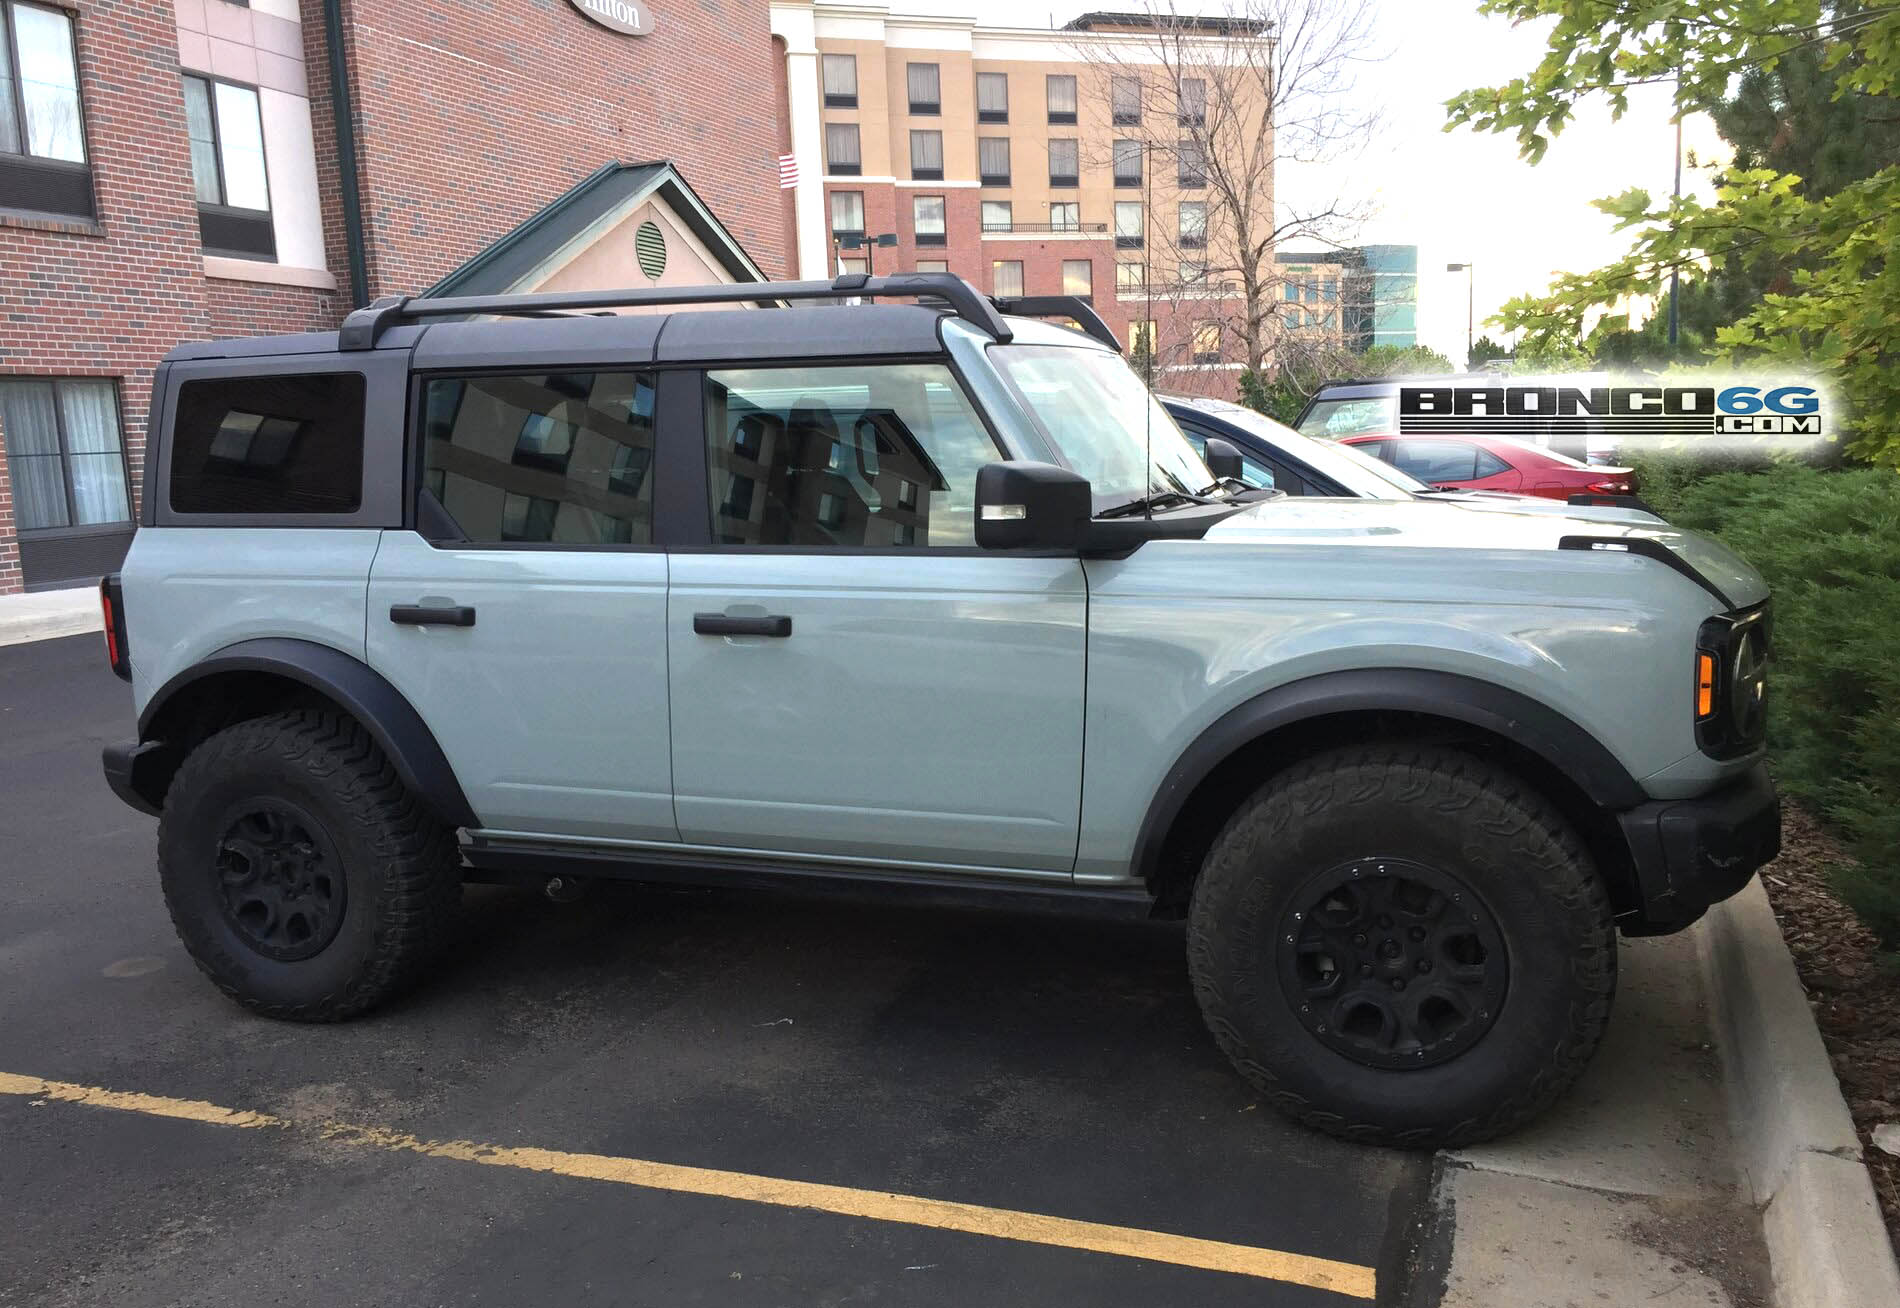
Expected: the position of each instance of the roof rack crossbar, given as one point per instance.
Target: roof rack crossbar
(363, 327)
(1062, 306)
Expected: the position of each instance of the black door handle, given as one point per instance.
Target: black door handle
(725, 624)
(431, 615)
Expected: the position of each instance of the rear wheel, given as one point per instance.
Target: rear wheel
(302, 876)
(1403, 945)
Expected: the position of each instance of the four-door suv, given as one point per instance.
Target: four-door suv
(929, 595)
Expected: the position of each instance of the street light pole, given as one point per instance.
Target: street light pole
(1470, 303)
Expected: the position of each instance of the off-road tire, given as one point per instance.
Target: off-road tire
(1476, 825)
(398, 864)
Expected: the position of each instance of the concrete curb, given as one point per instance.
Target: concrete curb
(1799, 1154)
(46, 615)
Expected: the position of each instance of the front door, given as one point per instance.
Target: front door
(850, 677)
(525, 618)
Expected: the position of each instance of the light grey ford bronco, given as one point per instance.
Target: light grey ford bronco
(930, 596)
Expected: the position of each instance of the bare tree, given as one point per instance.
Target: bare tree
(1214, 105)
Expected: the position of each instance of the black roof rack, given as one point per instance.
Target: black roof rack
(362, 329)
(1062, 306)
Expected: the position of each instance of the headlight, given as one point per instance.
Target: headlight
(1748, 683)
(1731, 683)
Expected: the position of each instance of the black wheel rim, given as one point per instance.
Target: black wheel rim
(279, 879)
(1392, 963)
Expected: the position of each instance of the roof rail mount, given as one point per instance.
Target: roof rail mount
(1061, 306)
(365, 326)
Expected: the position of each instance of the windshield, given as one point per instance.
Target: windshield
(1359, 472)
(1359, 416)
(1106, 424)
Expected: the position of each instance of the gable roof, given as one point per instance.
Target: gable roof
(612, 188)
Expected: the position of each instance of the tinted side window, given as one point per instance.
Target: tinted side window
(288, 445)
(562, 458)
(1253, 472)
(870, 456)
(1437, 460)
(1490, 465)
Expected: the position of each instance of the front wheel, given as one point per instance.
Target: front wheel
(1404, 946)
(302, 876)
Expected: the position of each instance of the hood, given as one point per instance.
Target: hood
(1434, 524)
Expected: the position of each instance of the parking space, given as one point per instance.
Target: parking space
(646, 1097)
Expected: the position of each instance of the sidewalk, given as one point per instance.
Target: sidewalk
(49, 613)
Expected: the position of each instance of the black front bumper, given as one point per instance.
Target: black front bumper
(1690, 853)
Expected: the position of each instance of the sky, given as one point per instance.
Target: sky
(1461, 196)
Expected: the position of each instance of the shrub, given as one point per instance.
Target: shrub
(1829, 545)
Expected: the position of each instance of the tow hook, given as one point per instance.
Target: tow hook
(564, 890)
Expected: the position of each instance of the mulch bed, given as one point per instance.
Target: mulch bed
(1855, 997)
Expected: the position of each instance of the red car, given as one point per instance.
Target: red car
(1494, 464)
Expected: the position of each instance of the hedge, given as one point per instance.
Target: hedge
(1829, 544)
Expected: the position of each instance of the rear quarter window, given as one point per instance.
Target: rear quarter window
(269, 445)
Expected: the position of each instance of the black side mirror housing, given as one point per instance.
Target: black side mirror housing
(1222, 459)
(1022, 505)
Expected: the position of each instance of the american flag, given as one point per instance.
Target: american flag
(787, 172)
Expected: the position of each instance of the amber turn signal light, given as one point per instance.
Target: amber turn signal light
(1704, 685)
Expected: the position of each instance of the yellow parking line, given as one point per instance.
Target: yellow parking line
(972, 1219)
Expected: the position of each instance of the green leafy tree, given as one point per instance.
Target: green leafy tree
(1483, 351)
(1820, 241)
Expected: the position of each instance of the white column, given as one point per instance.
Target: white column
(794, 22)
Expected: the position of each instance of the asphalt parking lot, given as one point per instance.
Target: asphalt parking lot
(646, 1097)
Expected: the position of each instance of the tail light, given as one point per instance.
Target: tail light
(1611, 486)
(112, 606)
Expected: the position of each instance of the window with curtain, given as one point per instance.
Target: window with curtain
(926, 155)
(933, 265)
(1061, 92)
(1064, 166)
(847, 211)
(1141, 337)
(841, 149)
(42, 128)
(926, 216)
(1127, 156)
(1191, 164)
(841, 81)
(992, 97)
(1078, 277)
(64, 453)
(1130, 276)
(926, 97)
(1065, 216)
(992, 160)
(1193, 229)
(1207, 342)
(997, 216)
(1193, 101)
(1124, 94)
(1006, 277)
(1128, 224)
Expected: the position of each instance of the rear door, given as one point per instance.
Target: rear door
(850, 677)
(524, 613)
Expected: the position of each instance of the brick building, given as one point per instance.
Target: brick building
(1020, 159)
(172, 170)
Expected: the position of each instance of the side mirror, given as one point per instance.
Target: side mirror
(1031, 506)
(1222, 459)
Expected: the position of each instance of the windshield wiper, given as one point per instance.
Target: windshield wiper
(1149, 503)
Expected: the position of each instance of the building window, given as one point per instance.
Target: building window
(926, 156)
(926, 216)
(1125, 100)
(1141, 337)
(992, 160)
(1006, 277)
(1191, 163)
(996, 216)
(64, 453)
(1065, 216)
(847, 213)
(926, 95)
(42, 129)
(841, 81)
(1064, 169)
(992, 97)
(1193, 229)
(1206, 342)
(1128, 225)
(227, 169)
(933, 265)
(841, 149)
(1078, 278)
(1193, 101)
(1127, 156)
(1193, 272)
(1130, 276)
(1061, 99)
(272, 444)
(851, 263)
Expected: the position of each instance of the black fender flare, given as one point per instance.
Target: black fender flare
(1498, 710)
(354, 687)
